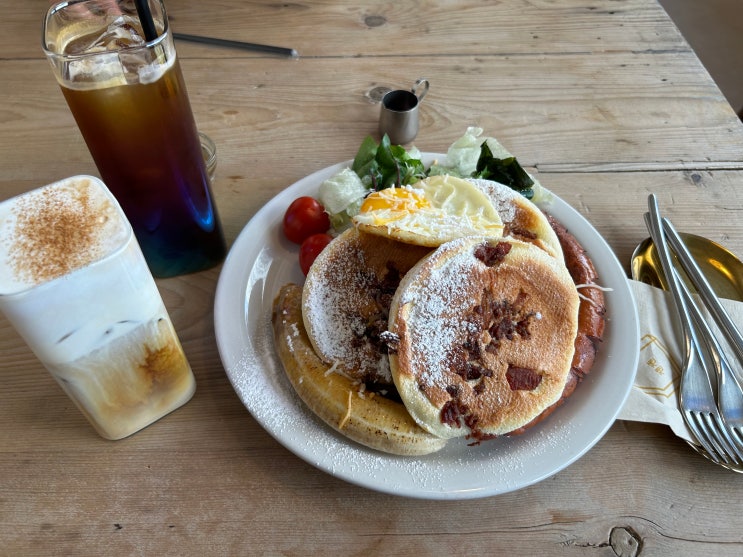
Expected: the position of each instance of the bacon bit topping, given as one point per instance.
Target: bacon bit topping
(522, 233)
(375, 333)
(375, 328)
(453, 411)
(522, 378)
(509, 319)
(487, 325)
(473, 370)
(492, 255)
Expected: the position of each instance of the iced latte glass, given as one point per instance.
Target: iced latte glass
(130, 102)
(74, 283)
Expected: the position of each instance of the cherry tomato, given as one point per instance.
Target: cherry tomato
(311, 248)
(304, 217)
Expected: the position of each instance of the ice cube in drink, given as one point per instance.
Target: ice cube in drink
(122, 32)
(75, 285)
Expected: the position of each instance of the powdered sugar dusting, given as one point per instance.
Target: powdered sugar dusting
(502, 197)
(429, 302)
(338, 327)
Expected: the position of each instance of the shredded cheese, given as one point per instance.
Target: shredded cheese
(591, 285)
(332, 368)
(337, 368)
(345, 418)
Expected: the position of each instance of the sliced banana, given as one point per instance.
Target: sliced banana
(367, 418)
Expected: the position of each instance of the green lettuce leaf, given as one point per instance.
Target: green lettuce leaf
(383, 165)
(507, 171)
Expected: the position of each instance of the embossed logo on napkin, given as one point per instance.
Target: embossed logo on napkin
(663, 380)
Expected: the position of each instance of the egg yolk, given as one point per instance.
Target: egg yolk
(394, 199)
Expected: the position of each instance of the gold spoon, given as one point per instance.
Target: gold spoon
(723, 269)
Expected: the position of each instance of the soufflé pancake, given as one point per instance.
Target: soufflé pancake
(484, 336)
(346, 300)
(521, 218)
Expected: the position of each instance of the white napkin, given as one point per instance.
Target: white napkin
(654, 396)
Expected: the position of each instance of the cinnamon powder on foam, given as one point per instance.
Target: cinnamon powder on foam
(57, 230)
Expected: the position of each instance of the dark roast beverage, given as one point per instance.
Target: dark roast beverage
(130, 102)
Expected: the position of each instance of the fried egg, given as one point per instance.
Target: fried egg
(430, 212)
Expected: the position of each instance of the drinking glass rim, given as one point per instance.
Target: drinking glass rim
(53, 9)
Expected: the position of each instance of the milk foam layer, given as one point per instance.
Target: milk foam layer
(54, 230)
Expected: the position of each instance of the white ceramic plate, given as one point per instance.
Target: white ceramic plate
(262, 260)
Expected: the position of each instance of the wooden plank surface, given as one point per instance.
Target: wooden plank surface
(332, 28)
(590, 114)
(603, 100)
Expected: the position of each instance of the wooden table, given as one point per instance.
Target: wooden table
(603, 100)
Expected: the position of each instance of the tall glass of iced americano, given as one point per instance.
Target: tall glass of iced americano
(124, 86)
(74, 283)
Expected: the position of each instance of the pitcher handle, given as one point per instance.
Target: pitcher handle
(421, 83)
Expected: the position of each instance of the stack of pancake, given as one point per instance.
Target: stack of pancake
(449, 310)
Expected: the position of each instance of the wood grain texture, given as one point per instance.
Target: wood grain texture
(603, 100)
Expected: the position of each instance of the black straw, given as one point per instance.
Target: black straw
(281, 51)
(145, 18)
